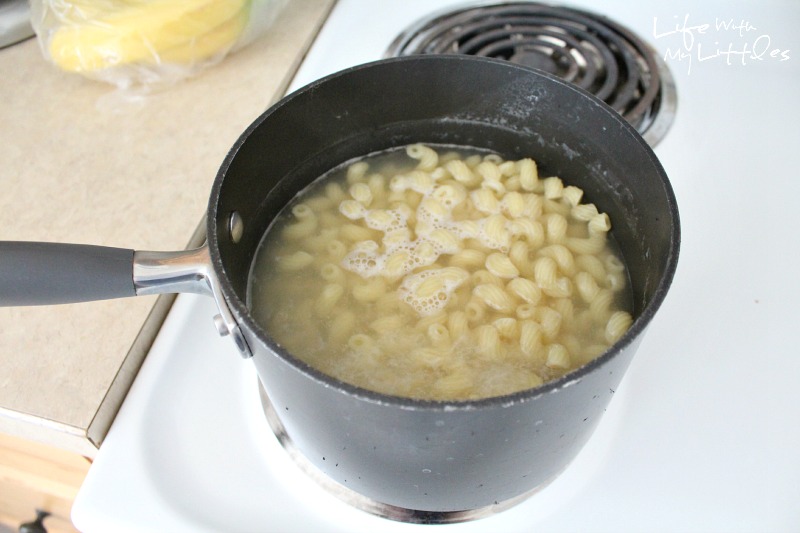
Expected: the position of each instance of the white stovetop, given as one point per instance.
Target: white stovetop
(703, 434)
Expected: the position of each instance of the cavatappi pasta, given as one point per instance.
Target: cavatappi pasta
(441, 274)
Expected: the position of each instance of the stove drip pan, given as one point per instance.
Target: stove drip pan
(359, 501)
(589, 50)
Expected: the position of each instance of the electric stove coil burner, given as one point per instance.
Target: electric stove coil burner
(588, 50)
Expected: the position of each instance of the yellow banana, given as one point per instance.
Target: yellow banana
(218, 40)
(133, 31)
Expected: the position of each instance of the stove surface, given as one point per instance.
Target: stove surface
(702, 433)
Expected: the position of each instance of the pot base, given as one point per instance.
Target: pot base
(383, 510)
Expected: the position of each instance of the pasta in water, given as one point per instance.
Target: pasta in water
(441, 274)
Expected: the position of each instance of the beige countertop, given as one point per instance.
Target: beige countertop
(80, 165)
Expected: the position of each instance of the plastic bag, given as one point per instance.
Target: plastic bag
(146, 44)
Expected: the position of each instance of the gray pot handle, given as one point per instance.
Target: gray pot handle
(38, 273)
(44, 273)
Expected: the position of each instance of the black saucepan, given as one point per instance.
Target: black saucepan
(431, 461)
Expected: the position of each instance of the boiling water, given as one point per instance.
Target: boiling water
(444, 274)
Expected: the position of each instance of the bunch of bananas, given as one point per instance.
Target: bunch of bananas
(93, 35)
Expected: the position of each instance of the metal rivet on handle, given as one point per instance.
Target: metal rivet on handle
(236, 226)
(222, 328)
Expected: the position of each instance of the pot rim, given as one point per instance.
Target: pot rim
(245, 318)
